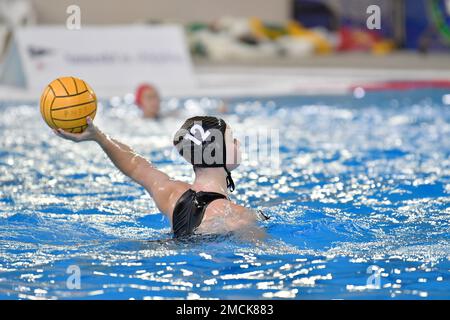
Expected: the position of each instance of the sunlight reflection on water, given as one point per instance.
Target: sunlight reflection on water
(360, 183)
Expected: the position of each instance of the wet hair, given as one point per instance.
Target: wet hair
(201, 141)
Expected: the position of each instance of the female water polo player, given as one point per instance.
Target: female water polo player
(202, 207)
(148, 100)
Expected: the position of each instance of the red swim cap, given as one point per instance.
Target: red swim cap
(139, 91)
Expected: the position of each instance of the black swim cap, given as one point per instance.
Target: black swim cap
(201, 141)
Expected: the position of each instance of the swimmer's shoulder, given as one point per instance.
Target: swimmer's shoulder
(231, 211)
(178, 189)
(232, 218)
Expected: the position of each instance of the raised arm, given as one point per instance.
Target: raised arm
(131, 164)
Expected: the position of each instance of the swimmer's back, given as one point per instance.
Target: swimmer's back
(219, 216)
(223, 216)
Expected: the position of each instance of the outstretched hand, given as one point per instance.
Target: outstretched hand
(90, 134)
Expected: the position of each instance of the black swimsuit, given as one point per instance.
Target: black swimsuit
(189, 210)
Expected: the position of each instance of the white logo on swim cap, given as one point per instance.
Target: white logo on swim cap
(204, 135)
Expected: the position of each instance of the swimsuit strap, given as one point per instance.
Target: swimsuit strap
(263, 215)
(190, 209)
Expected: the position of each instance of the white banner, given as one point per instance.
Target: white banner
(118, 57)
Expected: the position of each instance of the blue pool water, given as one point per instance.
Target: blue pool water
(359, 205)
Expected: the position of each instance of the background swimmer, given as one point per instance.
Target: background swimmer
(203, 207)
(148, 99)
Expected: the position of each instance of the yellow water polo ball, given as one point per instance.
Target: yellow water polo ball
(66, 102)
